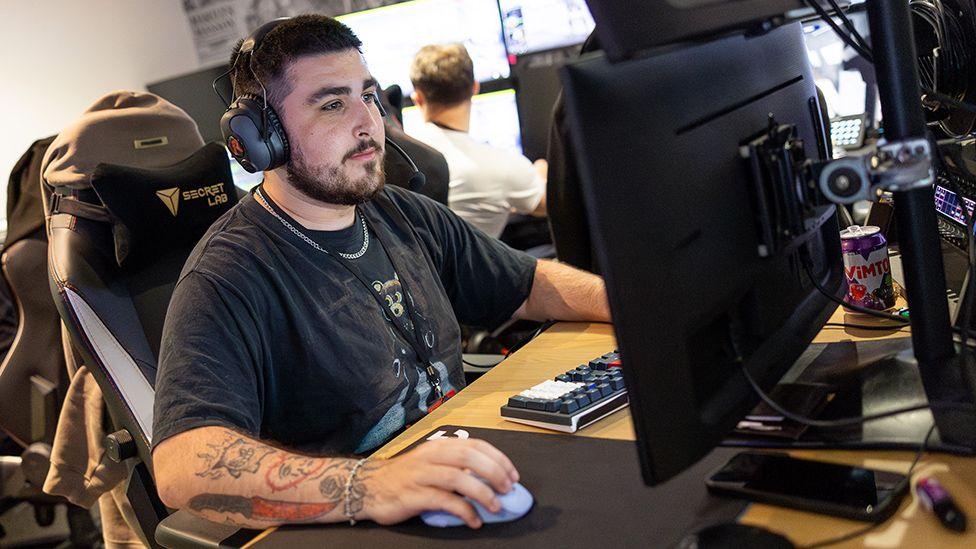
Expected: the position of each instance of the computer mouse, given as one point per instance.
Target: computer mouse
(732, 535)
(515, 505)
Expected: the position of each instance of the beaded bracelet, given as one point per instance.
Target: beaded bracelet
(347, 507)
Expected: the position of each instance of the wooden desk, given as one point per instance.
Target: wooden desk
(568, 344)
(565, 345)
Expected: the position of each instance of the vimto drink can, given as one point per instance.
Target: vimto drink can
(867, 268)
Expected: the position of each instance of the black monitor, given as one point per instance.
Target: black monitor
(626, 27)
(537, 76)
(194, 94)
(675, 220)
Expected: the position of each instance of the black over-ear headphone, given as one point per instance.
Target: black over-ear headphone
(252, 130)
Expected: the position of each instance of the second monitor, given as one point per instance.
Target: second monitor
(494, 120)
(392, 35)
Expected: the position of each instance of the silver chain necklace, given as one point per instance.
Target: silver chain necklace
(260, 197)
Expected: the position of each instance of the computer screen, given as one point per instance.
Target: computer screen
(677, 220)
(494, 120)
(243, 179)
(536, 25)
(947, 204)
(392, 36)
(846, 80)
(194, 94)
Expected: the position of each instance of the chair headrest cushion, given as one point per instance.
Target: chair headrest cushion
(123, 128)
(157, 209)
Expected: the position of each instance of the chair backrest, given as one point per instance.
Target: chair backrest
(36, 351)
(33, 368)
(113, 303)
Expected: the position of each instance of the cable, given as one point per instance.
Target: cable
(840, 33)
(849, 26)
(847, 421)
(835, 299)
(943, 98)
(867, 326)
(951, 57)
(486, 366)
(908, 479)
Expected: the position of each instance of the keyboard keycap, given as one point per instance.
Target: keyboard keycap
(564, 377)
(568, 406)
(535, 404)
(517, 401)
(617, 383)
(605, 389)
(582, 399)
(594, 395)
(552, 405)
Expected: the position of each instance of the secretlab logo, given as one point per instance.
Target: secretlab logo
(170, 198)
(214, 194)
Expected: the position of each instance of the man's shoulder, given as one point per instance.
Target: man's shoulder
(234, 239)
(413, 205)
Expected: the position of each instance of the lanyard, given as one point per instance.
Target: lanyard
(419, 344)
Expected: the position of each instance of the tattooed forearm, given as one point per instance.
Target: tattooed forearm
(333, 484)
(257, 508)
(234, 457)
(289, 471)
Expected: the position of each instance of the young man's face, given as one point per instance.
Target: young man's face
(334, 128)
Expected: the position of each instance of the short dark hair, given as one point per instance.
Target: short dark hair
(444, 73)
(291, 40)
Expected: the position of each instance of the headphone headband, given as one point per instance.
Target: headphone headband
(253, 41)
(252, 130)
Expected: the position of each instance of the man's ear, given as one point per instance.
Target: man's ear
(476, 88)
(418, 98)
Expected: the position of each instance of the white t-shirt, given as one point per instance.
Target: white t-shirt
(486, 183)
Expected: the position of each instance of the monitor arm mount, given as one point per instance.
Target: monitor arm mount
(895, 166)
(786, 186)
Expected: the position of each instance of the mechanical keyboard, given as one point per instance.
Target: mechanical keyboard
(572, 400)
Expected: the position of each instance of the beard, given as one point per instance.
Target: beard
(331, 184)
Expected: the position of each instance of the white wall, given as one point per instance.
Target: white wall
(61, 55)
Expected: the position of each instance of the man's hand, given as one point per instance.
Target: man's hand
(431, 477)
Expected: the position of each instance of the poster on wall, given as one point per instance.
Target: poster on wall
(217, 25)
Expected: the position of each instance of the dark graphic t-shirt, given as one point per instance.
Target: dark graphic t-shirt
(270, 337)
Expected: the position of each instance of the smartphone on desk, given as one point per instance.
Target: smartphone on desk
(828, 488)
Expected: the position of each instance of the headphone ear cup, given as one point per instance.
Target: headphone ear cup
(277, 137)
(256, 149)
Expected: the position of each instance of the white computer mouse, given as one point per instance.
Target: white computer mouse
(515, 505)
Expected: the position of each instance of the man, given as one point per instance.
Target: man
(319, 317)
(487, 183)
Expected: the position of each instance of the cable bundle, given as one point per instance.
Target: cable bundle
(945, 39)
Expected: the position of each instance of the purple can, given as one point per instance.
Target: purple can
(867, 268)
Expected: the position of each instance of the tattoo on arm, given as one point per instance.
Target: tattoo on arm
(333, 485)
(260, 509)
(233, 457)
(290, 471)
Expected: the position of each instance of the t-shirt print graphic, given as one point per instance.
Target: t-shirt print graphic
(392, 293)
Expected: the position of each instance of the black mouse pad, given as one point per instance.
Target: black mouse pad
(588, 493)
